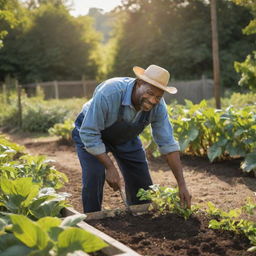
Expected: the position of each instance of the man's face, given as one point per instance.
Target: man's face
(147, 96)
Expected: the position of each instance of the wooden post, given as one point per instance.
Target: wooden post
(18, 89)
(56, 89)
(215, 54)
(84, 86)
(5, 93)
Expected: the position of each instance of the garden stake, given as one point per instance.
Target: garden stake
(122, 193)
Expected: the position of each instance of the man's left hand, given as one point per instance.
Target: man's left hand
(185, 197)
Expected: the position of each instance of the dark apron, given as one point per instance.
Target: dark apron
(121, 131)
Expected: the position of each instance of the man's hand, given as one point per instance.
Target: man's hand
(113, 178)
(185, 197)
(112, 175)
(173, 160)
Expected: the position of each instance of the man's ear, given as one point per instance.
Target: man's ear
(139, 82)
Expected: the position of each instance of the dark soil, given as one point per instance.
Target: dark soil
(171, 235)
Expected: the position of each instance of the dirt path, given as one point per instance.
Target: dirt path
(222, 183)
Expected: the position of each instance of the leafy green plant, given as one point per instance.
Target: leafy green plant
(16, 164)
(39, 117)
(219, 134)
(231, 221)
(39, 169)
(47, 236)
(63, 130)
(23, 196)
(165, 200)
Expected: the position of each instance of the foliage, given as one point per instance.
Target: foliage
(248, 71)
(176, 35)
(165, 200)
(23, 196)
(27, 183)
(231, 221)
(50, 45)
(63, 130)
(39, 118)
(8, 19)
(248, 67)
(149, 144)
(16, 164)
(251, 5)
(27, 196)
(38, 115)
(47, 236)
(218, 133)
(237, 100)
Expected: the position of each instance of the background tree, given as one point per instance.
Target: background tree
(8, 19)
(52, 46)
(248, 67)
(176, 35)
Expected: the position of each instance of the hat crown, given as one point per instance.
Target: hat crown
(158, 74)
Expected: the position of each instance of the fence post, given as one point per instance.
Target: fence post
(204, 87)
(18, 89)
(56, 89)
(5, 93)
(84, 86)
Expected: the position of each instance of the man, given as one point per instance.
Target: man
(111, 121)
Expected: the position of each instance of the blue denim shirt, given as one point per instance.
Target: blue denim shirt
(101, 111)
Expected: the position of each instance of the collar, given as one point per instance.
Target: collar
(127, 100)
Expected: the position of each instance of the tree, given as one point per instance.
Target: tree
(8, 19)
(53, 46)
(248, 67)
(176, 34)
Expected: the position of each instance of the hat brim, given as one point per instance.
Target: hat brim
(139, 72)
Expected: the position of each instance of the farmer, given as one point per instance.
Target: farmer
(111, 121)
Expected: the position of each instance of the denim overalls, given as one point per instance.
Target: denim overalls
(121, 139)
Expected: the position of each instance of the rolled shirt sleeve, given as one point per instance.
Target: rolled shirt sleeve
(163, 132)
(93, 123)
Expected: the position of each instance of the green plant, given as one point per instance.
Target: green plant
(23, 196)
(219, 134)
(231, 221)
(47, 236)
(39, 117)
(165, 200)
(63, 130)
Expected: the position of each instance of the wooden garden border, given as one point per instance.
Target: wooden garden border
(115, 247)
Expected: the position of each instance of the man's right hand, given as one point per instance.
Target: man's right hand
(113, 178)
(112, 175)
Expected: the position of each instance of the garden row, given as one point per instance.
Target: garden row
(167, 229)
(30, 219)
(202, 131)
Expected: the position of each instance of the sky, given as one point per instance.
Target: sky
(81, 7)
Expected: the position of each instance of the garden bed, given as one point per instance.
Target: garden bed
(171, 235)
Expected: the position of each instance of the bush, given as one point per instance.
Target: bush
(63, 130)
(40, 118)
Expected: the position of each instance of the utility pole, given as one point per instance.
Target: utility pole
(215, 54)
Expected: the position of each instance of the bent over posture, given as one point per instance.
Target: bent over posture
(111, 121)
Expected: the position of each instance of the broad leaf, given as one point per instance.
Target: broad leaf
(213, 152)
(249, 163)
(71, 221)
(29, 232)
(73, 239)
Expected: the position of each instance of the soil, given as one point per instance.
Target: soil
(170, 235)
(222, 183)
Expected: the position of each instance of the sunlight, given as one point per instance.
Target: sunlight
(82, 7)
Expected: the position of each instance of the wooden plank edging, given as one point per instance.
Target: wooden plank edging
(116, 248)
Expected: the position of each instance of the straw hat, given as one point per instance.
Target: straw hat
(155, 75)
